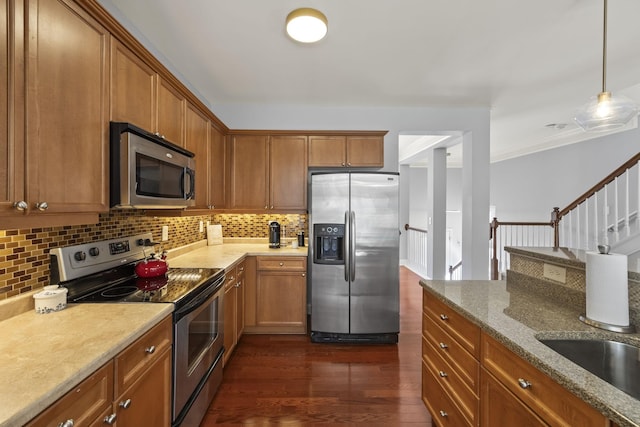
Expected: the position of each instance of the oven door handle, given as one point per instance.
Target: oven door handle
(200, 298)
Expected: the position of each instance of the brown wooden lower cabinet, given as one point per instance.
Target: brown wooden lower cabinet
(470, 379)
(233, 307)
(276, 303)
(132, 390)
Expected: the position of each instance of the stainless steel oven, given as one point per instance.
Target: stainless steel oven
(197, 351)
(104, 271)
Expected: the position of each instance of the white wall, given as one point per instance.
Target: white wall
(527, 188)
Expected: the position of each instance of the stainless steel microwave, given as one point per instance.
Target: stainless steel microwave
(148, 172)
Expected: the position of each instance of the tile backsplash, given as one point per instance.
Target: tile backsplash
(24, 253)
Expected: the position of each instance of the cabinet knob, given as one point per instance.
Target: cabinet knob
(304, 275)
(125, 404)
(443, 374)
(150, 350)
(343, 164)
(349, 164)
(68, 423)
(281, 264)
(110, 419)
(21, 205)
(444, 317)
(42, 206)
(443, 346)
(271, 207)
(524, 383)
(266, 206)
(238, 284)
(443, 414)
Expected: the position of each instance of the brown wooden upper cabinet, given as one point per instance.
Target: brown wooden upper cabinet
(197, 141)
(142, 97)
(57, 162)
(217, 169)
(268, 172)
(346, 150)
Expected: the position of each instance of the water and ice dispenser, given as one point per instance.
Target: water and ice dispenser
(328, 243)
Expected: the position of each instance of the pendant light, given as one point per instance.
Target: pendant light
(306, 25)
(604, 111)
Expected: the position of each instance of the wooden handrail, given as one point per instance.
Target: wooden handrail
(408, 227)
(608, 179)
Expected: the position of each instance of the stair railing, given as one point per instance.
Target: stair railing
(606, 213)
(417, 248)
(455, 273)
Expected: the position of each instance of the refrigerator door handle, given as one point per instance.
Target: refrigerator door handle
(347, 234)
(352, 249)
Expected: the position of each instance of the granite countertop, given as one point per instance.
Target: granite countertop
(516, 317)
(199, 255)
(43, 356)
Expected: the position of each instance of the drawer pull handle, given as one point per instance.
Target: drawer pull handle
(68, 423)
(125, 404)
(443, 414)
(444, 317)
(150, 350)
(443, 346)
(110, 419)
(524, 383)
(442, 374)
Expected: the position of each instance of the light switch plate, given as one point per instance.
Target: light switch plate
(555, 273)
(165, 233)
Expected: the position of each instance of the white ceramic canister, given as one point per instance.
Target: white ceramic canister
(52, 298)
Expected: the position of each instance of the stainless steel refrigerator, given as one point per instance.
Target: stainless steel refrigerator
(354, 257)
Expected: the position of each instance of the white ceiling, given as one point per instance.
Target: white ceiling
(532, 62)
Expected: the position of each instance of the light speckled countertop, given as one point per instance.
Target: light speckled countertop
(43, 356)
(517, 317)
(199, 255)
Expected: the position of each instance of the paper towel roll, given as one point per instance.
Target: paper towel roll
(214, 234)
(607, 288)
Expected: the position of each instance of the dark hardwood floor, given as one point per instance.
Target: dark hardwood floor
(285, 380)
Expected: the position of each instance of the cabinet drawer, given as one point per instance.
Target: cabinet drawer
(464, 397)
(443, 411)
(84, 404)
(133, 361)
(452, 352)
(459, 328)
(282, 263)
(552, 402)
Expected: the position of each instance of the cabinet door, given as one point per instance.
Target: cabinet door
(240, 300)
(501, 408)
(281, 301)
(230, 311)
(148, 401)
(327, 151)
(170, 113)
(197, 141)
(67, 58)
(365, 151)
(217, 169)
(11, 160)
(133, 84)
(288, 172)
(249, 172)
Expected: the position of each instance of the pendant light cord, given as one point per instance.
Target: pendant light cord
(604, 49)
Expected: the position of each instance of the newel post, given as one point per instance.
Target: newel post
(555, 223)
(493, 234)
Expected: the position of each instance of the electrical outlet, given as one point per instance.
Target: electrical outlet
(555, 273)
(201, 227)
(165, 233)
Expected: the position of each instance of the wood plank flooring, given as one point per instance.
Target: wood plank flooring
(285, 380)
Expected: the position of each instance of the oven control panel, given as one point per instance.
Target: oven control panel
(75, 261)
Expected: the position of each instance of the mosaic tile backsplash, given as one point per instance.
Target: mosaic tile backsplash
(24, 254)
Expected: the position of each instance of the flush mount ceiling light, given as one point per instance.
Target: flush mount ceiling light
(604, 112)
(306, 25)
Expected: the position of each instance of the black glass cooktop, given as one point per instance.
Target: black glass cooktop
(113, 286)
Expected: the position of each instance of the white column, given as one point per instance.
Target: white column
(475, 207)
(437, 223)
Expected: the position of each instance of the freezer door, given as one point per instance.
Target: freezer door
(329, 289)
(374, 302)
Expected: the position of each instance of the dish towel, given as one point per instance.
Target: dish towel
(214, 234)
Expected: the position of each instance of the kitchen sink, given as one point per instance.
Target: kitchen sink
(615, 362)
